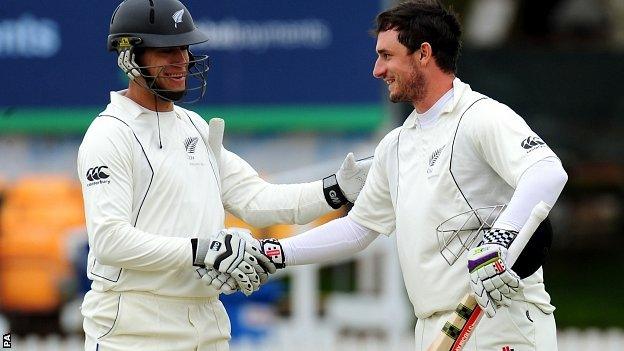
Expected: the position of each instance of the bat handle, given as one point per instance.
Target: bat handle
(539, 213)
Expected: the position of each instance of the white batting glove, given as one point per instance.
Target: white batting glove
(229, 253)
(346, 184)
(126, 61)
(265, 266)
(222, 282)
(493, 283)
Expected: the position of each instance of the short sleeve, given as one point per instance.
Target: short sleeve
(505, 141)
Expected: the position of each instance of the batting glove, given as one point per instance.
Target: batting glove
(126, 61)
(493, 283)
(222, 282)
(265, 266)
(229, 253)
(346, 184)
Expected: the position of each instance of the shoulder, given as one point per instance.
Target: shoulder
(389, 140)
(489, 112)
(106, 130)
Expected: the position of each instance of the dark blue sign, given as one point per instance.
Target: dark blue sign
(262, 52)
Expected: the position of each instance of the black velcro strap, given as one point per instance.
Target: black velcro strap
(333, 195)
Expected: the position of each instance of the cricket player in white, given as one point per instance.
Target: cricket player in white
(458, 151)
(156, 184)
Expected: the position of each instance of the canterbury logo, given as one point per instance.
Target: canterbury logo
(435, 155)
(531, 142)
(97, 173)
(190, 143)
(177, 17)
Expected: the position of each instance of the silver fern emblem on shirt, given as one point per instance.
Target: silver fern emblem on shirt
(189, 144)
(177, 17)
(434, 156)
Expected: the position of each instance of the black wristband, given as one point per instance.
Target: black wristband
(333, 195)
(273, 250)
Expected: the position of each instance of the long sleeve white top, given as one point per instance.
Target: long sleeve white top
(143, 203)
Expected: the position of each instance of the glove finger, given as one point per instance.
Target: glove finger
(263, 278)
(511, 280)
(243, 282)
(200, 273)
(251, 268)
(229, 284)
(261, 273)
(220, 282)
(349, 162)
(505, 301)
(490, 311)
(263, 261)
(364, 163)
(209, 278)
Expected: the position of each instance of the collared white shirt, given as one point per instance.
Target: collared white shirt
(143, 203)
(469, 156)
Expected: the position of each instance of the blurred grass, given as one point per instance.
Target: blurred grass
(265, 118)
(587, 289)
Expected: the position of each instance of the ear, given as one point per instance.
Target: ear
(426, 53)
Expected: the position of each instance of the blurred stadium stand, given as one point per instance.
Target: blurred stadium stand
(293, 110)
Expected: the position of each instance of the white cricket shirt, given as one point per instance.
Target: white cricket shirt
(143, 203)
(425, 172)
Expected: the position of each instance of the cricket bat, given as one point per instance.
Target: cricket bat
(457, 330)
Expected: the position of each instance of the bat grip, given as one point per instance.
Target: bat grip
(539, 213)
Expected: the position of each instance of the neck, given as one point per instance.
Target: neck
(437, 86)
(147, 99)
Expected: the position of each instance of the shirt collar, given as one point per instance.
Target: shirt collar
(134, 110)
(119, 99)
(459, 88)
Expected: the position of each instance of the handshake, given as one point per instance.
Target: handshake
(234, 260)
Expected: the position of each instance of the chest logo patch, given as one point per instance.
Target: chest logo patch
(434, 157)
(189, 144)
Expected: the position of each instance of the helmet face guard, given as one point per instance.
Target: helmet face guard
(197, 67)
(142, 24)
(458, 234)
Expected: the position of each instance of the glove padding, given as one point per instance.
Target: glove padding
(493, 283)
(126, 61)
(229, 253)
(264, 265)
(222, 282)
(352, 175)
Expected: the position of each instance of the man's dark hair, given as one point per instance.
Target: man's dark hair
(419, 21)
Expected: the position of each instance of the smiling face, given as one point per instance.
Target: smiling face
(399, 69)
(169, 66)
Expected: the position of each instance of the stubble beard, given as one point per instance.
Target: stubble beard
(413, 90)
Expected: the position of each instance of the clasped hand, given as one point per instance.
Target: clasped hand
(235, 261)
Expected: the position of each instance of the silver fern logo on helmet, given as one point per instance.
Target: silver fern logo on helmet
(177, 17)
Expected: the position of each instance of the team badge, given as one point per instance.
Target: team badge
(177, 17)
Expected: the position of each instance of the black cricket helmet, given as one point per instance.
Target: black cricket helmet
(139, 24)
